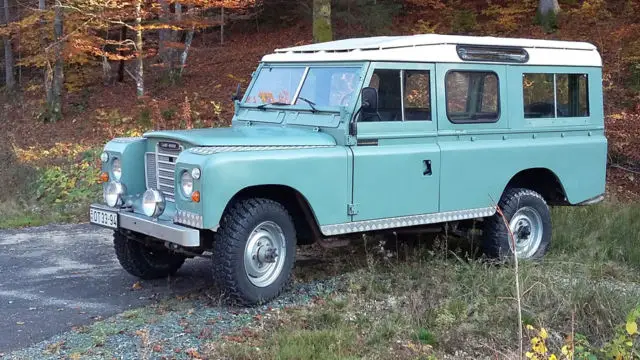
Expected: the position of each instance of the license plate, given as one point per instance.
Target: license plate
(104, 218)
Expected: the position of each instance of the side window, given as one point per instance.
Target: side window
(398, 88)
(387, 82)
(555, 95)
(572, 95)
(538, 96)
(472, 96)
(417, 95)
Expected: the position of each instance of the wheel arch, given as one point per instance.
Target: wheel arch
(543, 181)
(305, 221)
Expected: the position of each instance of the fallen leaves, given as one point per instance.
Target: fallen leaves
(205, 333)
(136, 286)
(55, 348)
(193, 353)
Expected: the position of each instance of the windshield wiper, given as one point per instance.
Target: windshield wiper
(311, 103)
(263, 106)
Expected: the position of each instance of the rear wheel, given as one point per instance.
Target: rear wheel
(254, 250)
(143, 261)
(529, 221)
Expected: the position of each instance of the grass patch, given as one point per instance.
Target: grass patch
(438, 302)
(605, 234)
(49, 186)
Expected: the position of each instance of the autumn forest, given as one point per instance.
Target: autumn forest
(77, 72)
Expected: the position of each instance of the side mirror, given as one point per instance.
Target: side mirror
(369, 100)
(237, 95)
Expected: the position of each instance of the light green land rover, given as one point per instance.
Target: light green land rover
(360, 136)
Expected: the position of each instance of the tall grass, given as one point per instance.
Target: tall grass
(608, 232)
(437, 302)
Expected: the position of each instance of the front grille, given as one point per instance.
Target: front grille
(160, 171)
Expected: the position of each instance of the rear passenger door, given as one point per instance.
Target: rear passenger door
(396, 159)
(472, 124)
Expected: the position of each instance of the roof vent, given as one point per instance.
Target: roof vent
(492, 53)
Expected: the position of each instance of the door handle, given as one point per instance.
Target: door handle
(427, 168)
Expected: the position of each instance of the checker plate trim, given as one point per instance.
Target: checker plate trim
(404, 221)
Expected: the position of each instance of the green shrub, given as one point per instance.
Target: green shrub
(464, 21)
(548, 21)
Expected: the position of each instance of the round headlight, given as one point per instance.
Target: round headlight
(116, 168)
(104, 157)
(113, 194)
(187, 183)
(195, 173)
(153, 203)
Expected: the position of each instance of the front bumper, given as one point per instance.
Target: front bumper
(162, 229)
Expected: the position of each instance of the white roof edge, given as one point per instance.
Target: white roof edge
(437, 48)
(387, 42)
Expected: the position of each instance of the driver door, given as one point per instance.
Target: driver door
(396, 161)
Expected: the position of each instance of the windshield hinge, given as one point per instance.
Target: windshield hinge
(352, 209)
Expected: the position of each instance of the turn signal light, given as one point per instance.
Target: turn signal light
(104, 177)
(195, 196)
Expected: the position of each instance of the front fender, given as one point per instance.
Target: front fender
(320, 174)
(130, 151)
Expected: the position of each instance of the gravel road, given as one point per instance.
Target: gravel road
(64, 295)
(59, 276)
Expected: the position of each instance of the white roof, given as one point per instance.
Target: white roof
(436, 48)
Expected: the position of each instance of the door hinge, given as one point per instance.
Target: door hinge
(351, 140)
(352, 209)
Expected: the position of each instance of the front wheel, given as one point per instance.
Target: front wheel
(142, 261)
(254, 250)
(529, 221)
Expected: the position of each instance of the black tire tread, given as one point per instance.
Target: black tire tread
(129, 254)
(229, 239)
(495, 227)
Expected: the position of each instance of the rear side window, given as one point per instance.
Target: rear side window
(555, 95)
(472, 96)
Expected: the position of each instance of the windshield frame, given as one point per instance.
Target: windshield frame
(301, 106)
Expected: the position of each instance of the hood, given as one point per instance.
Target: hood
(245, 135)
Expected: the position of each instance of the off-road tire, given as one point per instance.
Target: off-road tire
(496, 239)
(142, 261)
(236, 225)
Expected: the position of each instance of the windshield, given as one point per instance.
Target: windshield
(324, 86)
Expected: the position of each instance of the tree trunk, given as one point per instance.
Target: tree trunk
(178, 11)
(140, 70)
(546, 16)
(57, 80)
(123, 35)
(322, 30)
(187, 45)
(10, 80)
(222, 25)
(42, 6)
(548, 5)
(168, 37)
(106, 66)
(163, 34)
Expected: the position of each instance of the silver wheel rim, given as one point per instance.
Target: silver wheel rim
(264, 254)
(526, 227)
